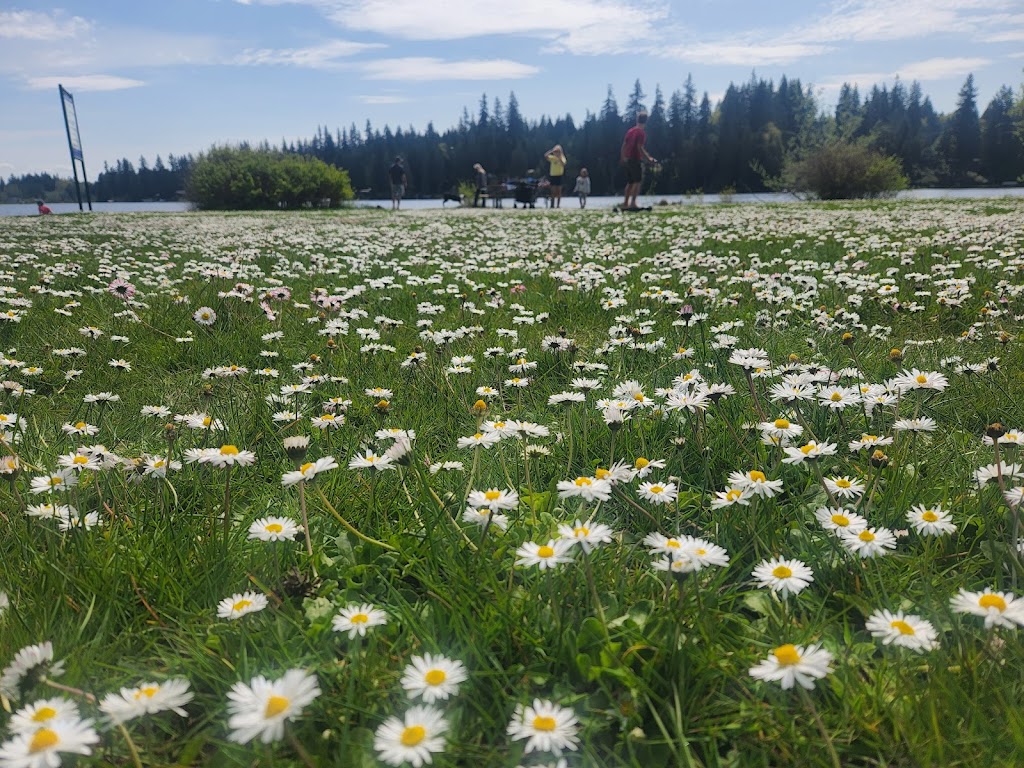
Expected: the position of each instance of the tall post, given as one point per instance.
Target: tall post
(71, 146)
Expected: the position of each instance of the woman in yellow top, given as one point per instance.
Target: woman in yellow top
(556, 157)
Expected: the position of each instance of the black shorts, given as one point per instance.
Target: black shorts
(634, 172)
(556, 181)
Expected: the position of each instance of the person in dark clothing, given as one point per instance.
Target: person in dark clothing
(631, 155)
(398, 183)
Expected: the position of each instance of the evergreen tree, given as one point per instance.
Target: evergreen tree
(960, 142)
(1001, 150)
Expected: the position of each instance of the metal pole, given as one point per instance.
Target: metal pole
(71, 149)
(85, 178)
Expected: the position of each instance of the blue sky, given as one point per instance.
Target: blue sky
(174, 77)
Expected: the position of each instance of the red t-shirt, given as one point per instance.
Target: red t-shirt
(636, 137)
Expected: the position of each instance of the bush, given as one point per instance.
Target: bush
(841, 170)
(239, 178)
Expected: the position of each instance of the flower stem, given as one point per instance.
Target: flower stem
(350, 527)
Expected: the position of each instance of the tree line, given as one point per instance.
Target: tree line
(742, 143)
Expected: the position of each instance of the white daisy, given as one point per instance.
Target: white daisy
(794, 664)
(546, 727)
(433, 677)
(414, 738)
(262, 707)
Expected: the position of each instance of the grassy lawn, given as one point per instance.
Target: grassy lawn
(711, 486)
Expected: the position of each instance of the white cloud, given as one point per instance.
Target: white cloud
(383, 99)
(424, 68)
(941, 68)
(84, 83)
(576, 26)
(323, 56)
(881, 20)
(1007, 36)
(32, 25)
(750, 54)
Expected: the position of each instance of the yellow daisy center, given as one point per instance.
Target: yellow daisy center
(902, 627)
(582, 481)
(148, 691)
(657, 489)
(922, 379)
(836, 397)
(841, 520)
(929, 516)
(806, 449)
(158, 463)
(274, 528)
(306, 467)
(478, 435)
(359, 618)
(639, 397)
(673, 544)
(842, 482)
(781, 572)
(413, 735)
(781, 424)
(207, 421)
(241, 605)
(989, 600)
(581, 531)
(868, 438)
(42, 739)
(81, 425)
(757, 476)
(275, 706)
(435, 677)
(866, 536)
(544, 723)
(601, 473)
(80, 460)
(641, 463)
(545, 551)
(43, 714)
(228, 450)
(492, 495)
(787, 655)
(56, 480)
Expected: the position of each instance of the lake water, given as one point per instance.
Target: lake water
(568, 202)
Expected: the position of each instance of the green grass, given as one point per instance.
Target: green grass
(655, 668)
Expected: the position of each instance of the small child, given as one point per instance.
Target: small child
(582, 187)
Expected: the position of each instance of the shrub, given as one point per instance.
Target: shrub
(239, 178)
(841, 170)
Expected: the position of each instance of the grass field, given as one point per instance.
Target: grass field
(715, 486)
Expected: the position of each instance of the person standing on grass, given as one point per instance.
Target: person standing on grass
(398, 183)
(632, 155)
(556, 158)
(582, 187)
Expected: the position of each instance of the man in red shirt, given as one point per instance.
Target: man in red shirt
(631, 155)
